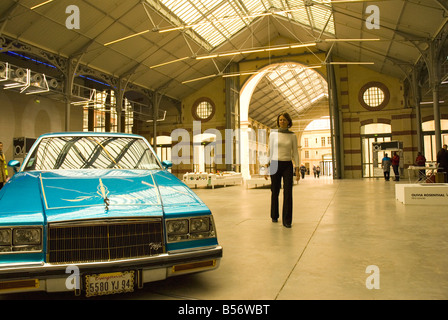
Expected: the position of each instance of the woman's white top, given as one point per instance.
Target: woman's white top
(283, 147)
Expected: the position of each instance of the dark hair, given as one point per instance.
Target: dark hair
(287, 117)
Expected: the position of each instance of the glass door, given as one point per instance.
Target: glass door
(371, 160)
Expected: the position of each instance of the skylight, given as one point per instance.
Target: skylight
(212, 22)
(300, 85)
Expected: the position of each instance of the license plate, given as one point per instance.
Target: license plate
(109, 283)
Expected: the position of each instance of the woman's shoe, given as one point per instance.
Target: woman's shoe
(274, 220)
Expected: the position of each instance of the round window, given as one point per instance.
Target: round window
(203, 109)
(374, 96)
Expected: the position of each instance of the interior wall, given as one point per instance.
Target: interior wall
(31, 116)
(350, 79)
(215, 92)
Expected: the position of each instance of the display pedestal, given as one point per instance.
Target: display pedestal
(424, 193)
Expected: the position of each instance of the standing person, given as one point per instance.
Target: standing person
(395, 166)
(421, 162)
(318, 171)
(314, 171)
(442, 161)
(303, 171)
(3, 167)
(282, 153)
(386, 163)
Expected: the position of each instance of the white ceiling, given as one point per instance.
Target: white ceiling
(406, 29)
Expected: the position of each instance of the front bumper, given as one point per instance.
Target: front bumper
(53, 277)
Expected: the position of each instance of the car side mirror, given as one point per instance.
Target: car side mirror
(167, 164)
(15, 164)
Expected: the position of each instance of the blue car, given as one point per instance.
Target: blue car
(97, 214)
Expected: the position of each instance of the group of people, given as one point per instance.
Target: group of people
(442, 164)
(387, 162)
(304, 170)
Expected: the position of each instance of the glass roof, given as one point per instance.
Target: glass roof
(319, 124)
(212, 22)
(300, 85)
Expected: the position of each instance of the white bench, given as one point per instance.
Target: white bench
(257, 180)
(193, 179)
(226, 178)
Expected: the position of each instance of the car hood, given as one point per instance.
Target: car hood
(88, 194)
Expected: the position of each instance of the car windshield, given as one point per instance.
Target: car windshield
(91, 152)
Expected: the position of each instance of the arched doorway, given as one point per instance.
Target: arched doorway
(316, 146)
(281, 87)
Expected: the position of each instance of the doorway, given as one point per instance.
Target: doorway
(370, 133)
(429, 139)
(204, 153)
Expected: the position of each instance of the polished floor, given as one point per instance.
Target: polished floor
(342, 230)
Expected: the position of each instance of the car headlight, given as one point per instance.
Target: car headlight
(24, 236)
(190, 229)
(14, 239)
(200, 224)
(177, 226)
(5, 237)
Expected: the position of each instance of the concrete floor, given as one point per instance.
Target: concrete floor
(340, 228)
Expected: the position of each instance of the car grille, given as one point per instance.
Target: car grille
(104, 240)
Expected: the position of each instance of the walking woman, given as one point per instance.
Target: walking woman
(282, 153)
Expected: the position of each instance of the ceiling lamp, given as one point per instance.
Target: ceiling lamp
(263, 49)
(127, 37)
(40, 4)
(350, 62)
(200, 78)
(350, 40)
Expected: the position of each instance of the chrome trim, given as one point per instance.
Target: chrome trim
(16, 265)
(211, 247)
(54, 280)
(95, 221)
(159, 261)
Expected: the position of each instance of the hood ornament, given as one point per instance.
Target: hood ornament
(103, 192)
